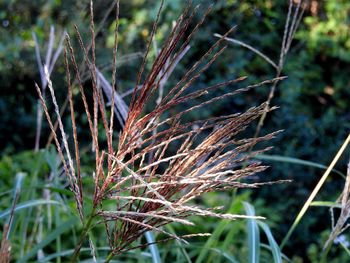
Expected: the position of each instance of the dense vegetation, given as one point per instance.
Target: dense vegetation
(313, 112)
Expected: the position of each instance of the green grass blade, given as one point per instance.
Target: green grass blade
(276, 252)
(28, 204)
(314, 192)
(234, 230)
(179, 244)
(253, 235)
(6, 193)
(18, 184)
(212, 241)
(153, 248)
(345, 248)
(224, 255)
(284, 257)
(69, 252)
(217, 251)
(326, 204)
(58, 239)
(132, 257)
(49, 238)
(16, 193)
(59, 190)
(215, 236)
(285, 159)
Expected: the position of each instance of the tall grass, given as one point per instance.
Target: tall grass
(150, 183)
(147, 175)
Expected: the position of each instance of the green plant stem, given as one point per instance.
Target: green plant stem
(109, 257)
(325, 253)
(83, 236)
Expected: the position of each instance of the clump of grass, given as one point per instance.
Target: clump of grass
(151, 184)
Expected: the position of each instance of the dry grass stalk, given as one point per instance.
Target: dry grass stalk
(288, 35)
(207, 158)
(114, 72)
(292, 23)
(50, 61)
(5, 247)
(82, 69)
(341, 225)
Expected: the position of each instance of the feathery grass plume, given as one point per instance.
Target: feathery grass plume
(151, 183)
(50, 61)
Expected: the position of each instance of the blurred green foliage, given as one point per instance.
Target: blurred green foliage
(313, 101)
